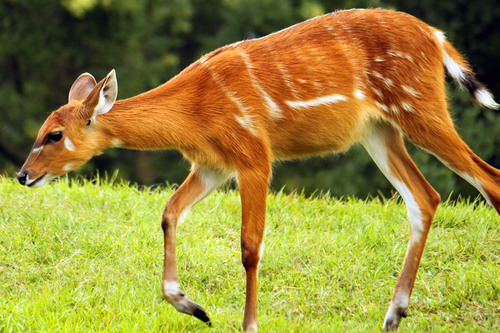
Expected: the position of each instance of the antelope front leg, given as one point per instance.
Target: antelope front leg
(199, 183)
(253, 191)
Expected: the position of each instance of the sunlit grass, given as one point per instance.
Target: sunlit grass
(80, 257)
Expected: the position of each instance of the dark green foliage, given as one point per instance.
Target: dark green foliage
(45, 45)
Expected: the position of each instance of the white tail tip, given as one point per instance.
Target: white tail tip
(485, 98)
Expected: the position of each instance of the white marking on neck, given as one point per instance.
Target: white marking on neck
(69, 144)
(68, 167)
(335, 98)
(117, 143)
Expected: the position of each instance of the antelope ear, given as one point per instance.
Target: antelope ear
(107, 94)
(81, 88)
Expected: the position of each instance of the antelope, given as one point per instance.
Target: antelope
(321, 86)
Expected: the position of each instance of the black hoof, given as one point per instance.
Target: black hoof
(202, 315)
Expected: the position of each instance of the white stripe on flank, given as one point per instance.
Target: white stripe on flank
(288, 79)
(245, 119)
(272, 107)
(335, 98)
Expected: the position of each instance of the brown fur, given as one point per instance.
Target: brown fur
(317, 87)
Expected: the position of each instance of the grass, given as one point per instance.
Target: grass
(87, 257)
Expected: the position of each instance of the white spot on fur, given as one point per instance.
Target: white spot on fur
(409, 90)
(387, 81)
(359, 94)
(377, 92)
(399, 54)
(69, 144)
(382, 107)
(38, 149)
(407, 106)
(377, 75)
(117, 143)
(331, 99)
(68, 167)
(394, 108)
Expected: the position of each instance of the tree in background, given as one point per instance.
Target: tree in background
(46, 44)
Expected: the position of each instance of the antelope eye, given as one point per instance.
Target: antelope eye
(54, 137)
(88, 122)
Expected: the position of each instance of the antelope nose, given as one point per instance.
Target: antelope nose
(21, 177)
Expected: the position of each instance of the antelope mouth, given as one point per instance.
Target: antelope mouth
(34, 183)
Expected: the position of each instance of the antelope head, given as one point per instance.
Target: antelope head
(72, 134)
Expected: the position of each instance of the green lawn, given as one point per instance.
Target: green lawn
(80, 257)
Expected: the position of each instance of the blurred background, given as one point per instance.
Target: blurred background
(46, 44)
